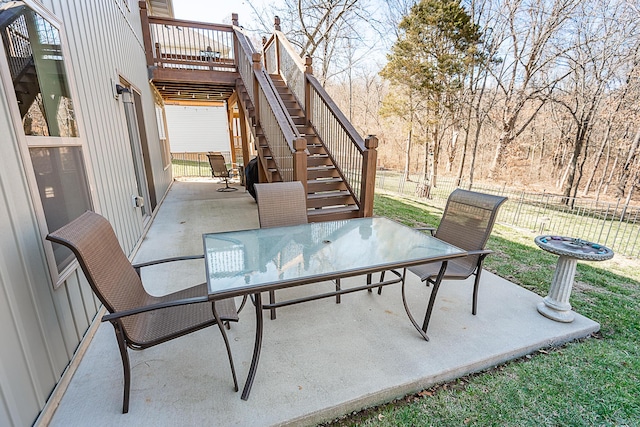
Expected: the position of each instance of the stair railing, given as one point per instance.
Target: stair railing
(287, 147)
(354, 158)
(19, 52)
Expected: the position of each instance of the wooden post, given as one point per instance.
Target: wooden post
(265, 56)
(276, 40)
(255, 58)
(232, 138)
(159, 55)
(236, 44)
(367, 187)
(308, 70)
(300, 162)
(243, 134)
(146, 32)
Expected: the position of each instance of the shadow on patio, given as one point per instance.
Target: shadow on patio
(319, 359)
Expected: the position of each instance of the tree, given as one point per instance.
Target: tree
(329, 31)
(437, 42)
(526, 74)
(597, 54)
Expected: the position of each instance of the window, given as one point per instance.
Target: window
(33, 51)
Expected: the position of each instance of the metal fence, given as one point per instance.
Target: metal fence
(613, 224)
(193, 164)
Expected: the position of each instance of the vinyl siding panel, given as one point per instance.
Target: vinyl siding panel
(43, 327)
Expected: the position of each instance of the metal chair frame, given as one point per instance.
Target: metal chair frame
(467, 222)
(219, 170)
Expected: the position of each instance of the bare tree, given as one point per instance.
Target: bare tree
(525, 75)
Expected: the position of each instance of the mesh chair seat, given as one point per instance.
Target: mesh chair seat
(143, 330)
(455, 270)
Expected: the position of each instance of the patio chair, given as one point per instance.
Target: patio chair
(467, 222)
(140, 320)
(280, 204)
(219, 170)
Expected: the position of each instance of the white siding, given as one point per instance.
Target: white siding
(197, 129)
(42, 327)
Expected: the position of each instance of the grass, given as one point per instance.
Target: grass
(591, 382)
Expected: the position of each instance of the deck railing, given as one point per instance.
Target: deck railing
(354, 157)
(285, 143)
(190, 45)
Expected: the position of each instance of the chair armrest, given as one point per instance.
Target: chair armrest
(431, 230)
(484, 252)
(163, 260)
(185, 301)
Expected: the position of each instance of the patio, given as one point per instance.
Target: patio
(319, 360)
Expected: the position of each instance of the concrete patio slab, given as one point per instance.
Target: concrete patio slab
(319, 360)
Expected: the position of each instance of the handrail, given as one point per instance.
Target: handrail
(338, 114)
(281, 134)
(353, 157)
(288, 64)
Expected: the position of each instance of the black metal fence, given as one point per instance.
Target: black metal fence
(193, 164)
(613, 224)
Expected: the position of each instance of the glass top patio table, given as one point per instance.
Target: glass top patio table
(257, 260)
(265, 259)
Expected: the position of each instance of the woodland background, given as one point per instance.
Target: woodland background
(537, 94)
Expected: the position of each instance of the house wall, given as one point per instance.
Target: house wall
(42, 327)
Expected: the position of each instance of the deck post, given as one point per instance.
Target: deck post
(257, 66)
(300, 162)
(276, 29)
(367, 187)
(308, 70)
(146, 32)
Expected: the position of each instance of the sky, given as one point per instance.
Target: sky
(216, 11)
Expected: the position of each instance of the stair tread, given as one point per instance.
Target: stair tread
(328, 194)
(321, 168)
(333, 210)
(325, 180)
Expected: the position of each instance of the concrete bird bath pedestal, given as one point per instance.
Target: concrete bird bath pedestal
(556, 305)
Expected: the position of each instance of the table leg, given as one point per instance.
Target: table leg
(256, 348)
(556, 305)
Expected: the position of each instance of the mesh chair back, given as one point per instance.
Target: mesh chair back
(218, 166)
(467, 222)
(106, 267)
(281, 204)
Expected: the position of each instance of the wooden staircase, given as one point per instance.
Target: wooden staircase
(340, 170)
(328, 197)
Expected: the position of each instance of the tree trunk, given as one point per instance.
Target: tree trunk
(423, 189)
(452, 149)
(435, 156)
(465, 145)
(573, 161)
(599, 154)
(626, 168)
(407, 156)
(474, 153)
